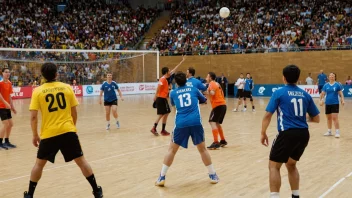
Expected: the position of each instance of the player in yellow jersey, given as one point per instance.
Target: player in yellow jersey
(57, 103)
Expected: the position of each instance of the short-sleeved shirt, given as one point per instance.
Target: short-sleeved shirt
(193, 82)
(6, 91)
(309, 81)
(218, 98)
(164, 88)
(54, 100)
(186, 100)
(249, 85)
(109, 91)
(332, 93)
(292, 105)
(322, 78)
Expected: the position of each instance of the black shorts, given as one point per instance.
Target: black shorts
(162, 106)
(247, 94)
(240, 93)
(67, 143)
(110, 103)
(320, 88)
(329, 109)
(218, 114)
(289, 144)
(5, 114)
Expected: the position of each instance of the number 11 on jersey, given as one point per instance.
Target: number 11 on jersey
(295, 106)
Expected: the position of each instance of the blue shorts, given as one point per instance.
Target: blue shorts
(180, 136)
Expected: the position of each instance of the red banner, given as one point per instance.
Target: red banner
(78, 90)
(22, 92)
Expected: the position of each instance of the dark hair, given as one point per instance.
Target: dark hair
(291, 74)
(164, 70)
(5, 68)
(180, 79)
(212, 75)
(49, 71)
(192, 71)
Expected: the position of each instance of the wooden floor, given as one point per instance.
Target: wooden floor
(127, 161)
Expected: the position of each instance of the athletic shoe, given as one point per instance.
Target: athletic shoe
(153, 130)
(337, 134)
(164, 133)
(161, 181)
(117, 124)
(244, 110)
(234, 110)
(2, 146)
(108, 127)
(328, 133)
(295, 196)
(223, 143)
(99, 193)
(214, 179)
(26, 195)
(214, 146)
(9, 145)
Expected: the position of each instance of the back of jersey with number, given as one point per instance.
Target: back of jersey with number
(292, 104)
(54, 100)
(186, 99)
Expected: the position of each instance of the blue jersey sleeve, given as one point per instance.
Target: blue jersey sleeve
(312, 109)
(201, 97)
(339, 87)
(102, 86)
(116, 85)
(172, 98)
(324, 88)
(273, 103)
(201, 86)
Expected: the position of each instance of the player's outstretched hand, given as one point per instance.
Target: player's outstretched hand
(321, 103)
(36, 140)
(264, 140)
(14, 110)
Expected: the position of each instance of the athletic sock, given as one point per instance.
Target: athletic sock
(108, 122)
(164, 170)
(117, 119)
(221, 133)
(337, 131)
(216, 135)
(93, 183)
(163, 128)
(274, 195)
(7, 140)
(31, 188)
(329, 130)
(211, 169)
(295, 192)
(155, 125)
(1, 139)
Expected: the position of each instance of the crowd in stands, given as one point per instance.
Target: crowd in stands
(88, 24)
(256, 26)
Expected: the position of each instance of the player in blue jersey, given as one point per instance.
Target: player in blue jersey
(292, 105)
(188, 123)
(248, 87)
(322, 79)
(110, 99)
(332, 91)
(193, 82)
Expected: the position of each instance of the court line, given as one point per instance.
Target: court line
(62, 166)
(334, 186)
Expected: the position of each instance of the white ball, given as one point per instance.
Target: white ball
(224, 12)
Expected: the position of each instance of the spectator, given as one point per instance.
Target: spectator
(309, 80)
(349, 81)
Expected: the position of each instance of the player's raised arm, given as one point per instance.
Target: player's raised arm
(176, 67)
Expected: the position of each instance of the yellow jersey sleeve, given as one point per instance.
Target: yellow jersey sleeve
(35, 104)
(73, 99)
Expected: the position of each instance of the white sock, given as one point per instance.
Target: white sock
(337, 130)
(274, 195)
(295, 192)
(108, 122)
(329, 130)
(117, 119)
(211, 169)
(164, 170)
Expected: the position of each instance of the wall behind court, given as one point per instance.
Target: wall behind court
(266, 68)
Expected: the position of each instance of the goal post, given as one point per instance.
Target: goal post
(84, 66)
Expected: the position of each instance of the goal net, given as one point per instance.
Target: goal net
(84, 67)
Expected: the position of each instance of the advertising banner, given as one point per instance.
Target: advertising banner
(126, 88)
(78, 90)
(22, 92)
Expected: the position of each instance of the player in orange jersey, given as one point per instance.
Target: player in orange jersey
(6, 106)
(160, 99)
(218, 103)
